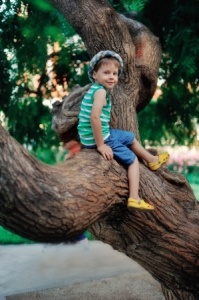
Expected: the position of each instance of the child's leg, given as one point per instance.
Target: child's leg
(153, 162)
(120, 141)
(134, 201)
(134, 178)
(137, 148)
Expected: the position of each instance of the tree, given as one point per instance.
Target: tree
(54, 203)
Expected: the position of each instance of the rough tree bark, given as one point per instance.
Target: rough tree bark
(54, 203)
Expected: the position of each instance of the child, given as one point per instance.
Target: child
(94, 131)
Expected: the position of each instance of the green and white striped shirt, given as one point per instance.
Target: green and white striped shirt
(84, 127)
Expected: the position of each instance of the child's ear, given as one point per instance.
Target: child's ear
(94, 75)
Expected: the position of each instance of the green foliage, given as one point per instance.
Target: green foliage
(177, 111)
(190, 171)
(27, 30)
(71, 63)
(195, 188)
(42, 5)
(128, 5)
(172, 119)
(136, 5)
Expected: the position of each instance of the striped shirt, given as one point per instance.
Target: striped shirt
(84, 127)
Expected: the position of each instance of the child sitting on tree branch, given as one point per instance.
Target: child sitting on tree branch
(104, 70)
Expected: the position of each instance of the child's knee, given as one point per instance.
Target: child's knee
(134, 142)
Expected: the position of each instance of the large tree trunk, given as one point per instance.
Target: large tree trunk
(54, 203)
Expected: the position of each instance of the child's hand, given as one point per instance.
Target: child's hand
(106, 151)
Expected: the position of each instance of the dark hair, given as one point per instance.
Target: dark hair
(104, 61)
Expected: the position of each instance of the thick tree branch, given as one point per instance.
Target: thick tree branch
(56, 202)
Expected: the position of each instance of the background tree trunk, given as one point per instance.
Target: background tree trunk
(53, 204)
(101, 28)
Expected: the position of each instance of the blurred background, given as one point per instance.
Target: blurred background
(42, 58)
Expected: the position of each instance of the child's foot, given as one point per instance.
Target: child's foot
(139, 204)
(73, 147)
(162, 159)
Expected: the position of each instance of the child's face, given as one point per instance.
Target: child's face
(107, 75)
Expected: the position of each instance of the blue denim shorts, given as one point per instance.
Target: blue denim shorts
(120, 141)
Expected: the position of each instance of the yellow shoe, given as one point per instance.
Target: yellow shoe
(162, 159)
(139, 204)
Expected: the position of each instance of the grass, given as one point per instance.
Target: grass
(7, 238)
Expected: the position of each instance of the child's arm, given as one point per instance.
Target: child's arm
(99, 102)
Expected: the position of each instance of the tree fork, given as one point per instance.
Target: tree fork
(54, 203)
